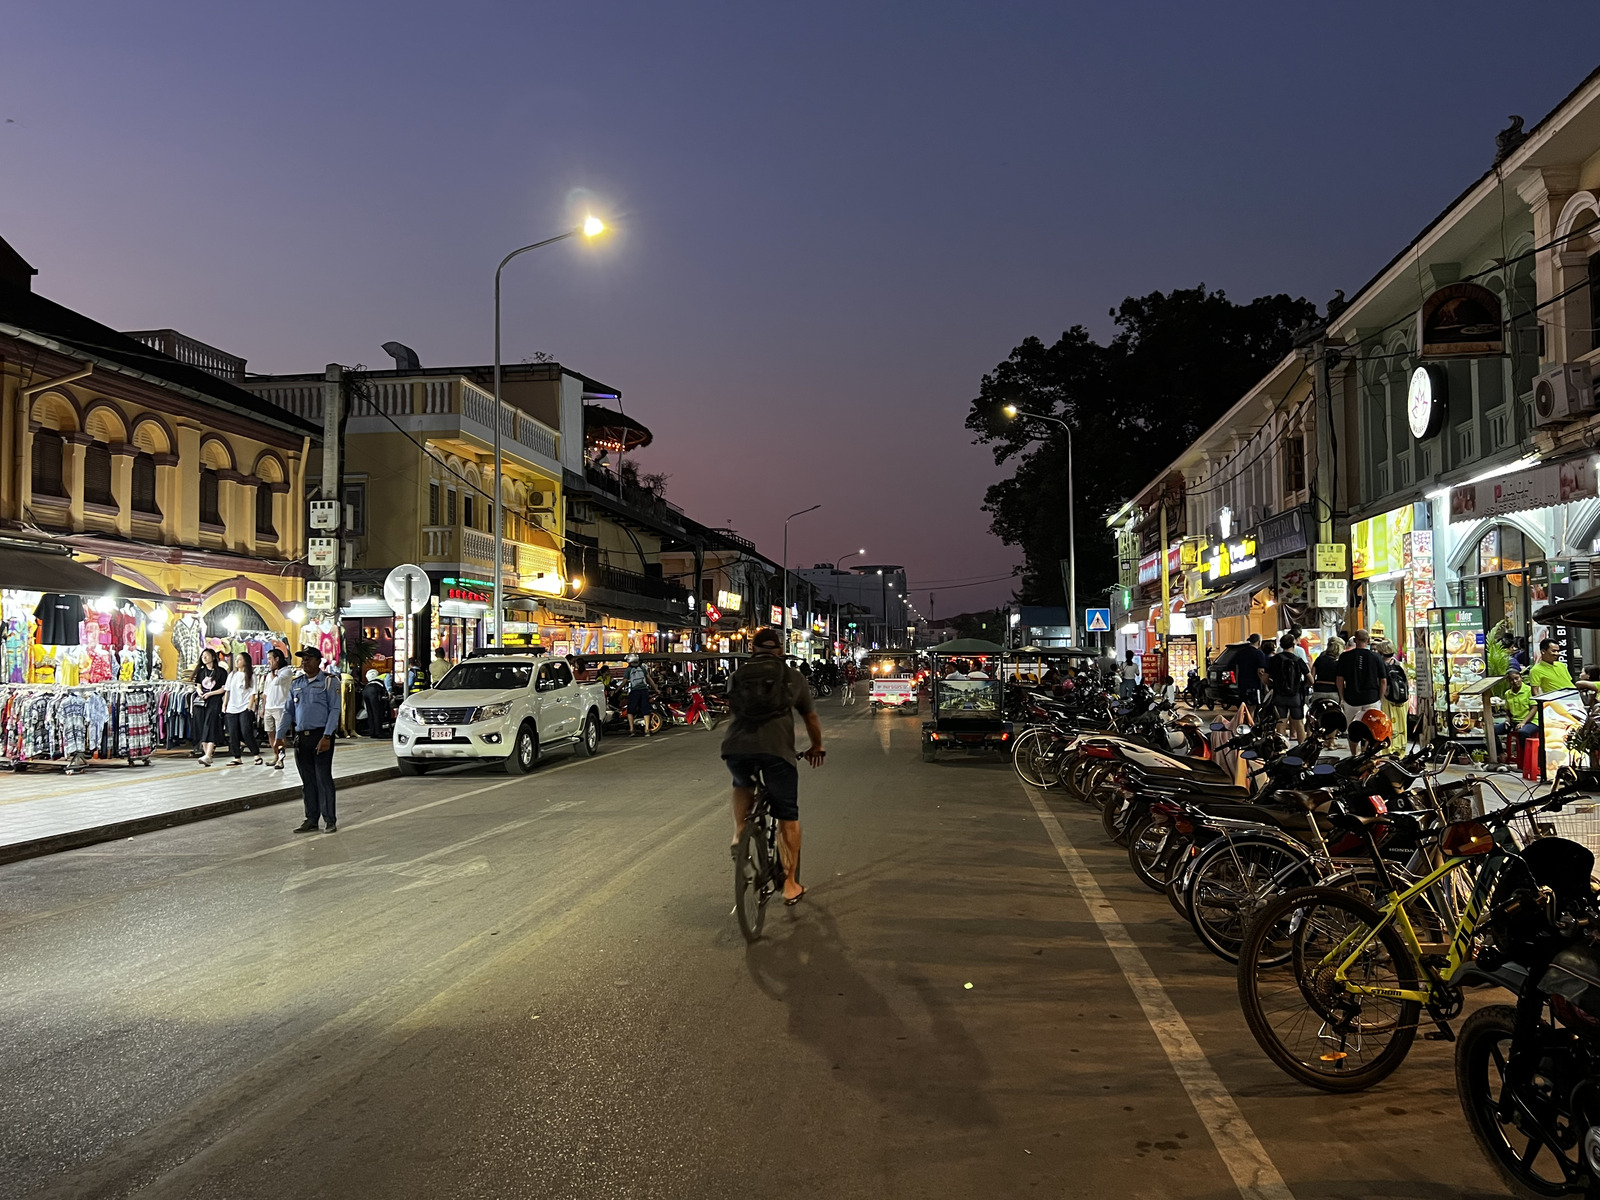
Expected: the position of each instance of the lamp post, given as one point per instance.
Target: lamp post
(834, 637)
(1013, 412)
(591, 227)
(786, 521)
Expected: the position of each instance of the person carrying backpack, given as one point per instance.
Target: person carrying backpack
(764, 694)
(1291, 685)
(1397, 694)
(640, 689)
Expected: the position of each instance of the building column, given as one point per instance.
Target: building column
(169, 499)
(122, 486)
(1546, 193)
(238, 533)
(72, 470)
(185, 511)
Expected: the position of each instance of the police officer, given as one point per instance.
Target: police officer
(310, 718)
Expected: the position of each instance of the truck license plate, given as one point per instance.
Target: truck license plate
(441, 733)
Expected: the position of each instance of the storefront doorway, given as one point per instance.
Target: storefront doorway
(1510, 581)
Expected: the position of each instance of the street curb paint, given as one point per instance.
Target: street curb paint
(1241, 1151)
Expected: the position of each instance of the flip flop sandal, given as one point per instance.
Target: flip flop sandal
(791, 901)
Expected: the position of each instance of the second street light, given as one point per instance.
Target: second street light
(592, 227)
(786, 521)
(1013, 412)
(834, 636)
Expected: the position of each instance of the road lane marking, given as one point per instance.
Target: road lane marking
(1241, 1151)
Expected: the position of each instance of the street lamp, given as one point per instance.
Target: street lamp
(786, 521)
(1013, 412)
(592, 227)
(834, 636)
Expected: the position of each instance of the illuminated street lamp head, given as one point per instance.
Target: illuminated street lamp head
(593, 226)
(1010, 410)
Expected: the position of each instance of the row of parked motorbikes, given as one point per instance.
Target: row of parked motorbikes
(1363, 899)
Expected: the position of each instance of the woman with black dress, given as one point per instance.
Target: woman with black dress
(212, 681)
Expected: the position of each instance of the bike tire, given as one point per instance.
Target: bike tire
(1150, 852)
(1325, 915)
(1114, 820)
(752, 870)
(1482, 1050)
(1026, 758)
(1231, 883)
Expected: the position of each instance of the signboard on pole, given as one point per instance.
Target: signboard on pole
(1097, 620)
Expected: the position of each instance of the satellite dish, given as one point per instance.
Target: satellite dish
(394, 589)
(405, 358)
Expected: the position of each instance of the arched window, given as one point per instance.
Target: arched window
(264, 527)
(144, 485)
(210, 497)
(49, 451)
(97, 474)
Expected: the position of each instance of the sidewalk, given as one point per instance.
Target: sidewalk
(43, 811)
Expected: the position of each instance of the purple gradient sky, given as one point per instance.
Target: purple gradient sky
(831, 218)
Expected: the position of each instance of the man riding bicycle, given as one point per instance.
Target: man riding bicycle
(764, 694)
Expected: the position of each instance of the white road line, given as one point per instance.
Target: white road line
(1241, 1151)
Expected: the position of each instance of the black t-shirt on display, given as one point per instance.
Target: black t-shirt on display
(60, 617)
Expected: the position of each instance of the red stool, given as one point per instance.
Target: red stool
(1530, 758)
(1513, 748)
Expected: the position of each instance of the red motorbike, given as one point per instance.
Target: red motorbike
(690, 712)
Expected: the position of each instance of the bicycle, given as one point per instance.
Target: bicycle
(1345, 1013)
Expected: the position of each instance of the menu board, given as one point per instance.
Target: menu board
(1182, 657)
(1456, 656)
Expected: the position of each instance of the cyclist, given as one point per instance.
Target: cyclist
(764, 694)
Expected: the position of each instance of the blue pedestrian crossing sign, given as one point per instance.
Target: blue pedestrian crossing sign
(1097, 620)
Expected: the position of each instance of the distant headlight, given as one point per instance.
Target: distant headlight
(490, 712)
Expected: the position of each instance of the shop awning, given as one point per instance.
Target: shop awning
(1235, 602)
(1580, 612)
(47, 571)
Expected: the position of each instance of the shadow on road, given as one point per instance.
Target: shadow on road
(934, 1071)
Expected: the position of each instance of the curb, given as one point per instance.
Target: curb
(78, 838)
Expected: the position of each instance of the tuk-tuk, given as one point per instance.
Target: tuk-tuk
(968, 688)
(893, 683)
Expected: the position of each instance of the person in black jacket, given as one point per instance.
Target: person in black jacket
(1291, 685)
(1325, 671)
(376, 699)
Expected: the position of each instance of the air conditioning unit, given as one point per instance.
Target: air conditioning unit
(1562, 394)
(542, 501)
(544, 519)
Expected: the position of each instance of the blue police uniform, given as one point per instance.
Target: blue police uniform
(311, 714)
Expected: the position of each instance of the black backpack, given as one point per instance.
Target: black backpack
(1287, 672)
(1399, 685)
(759, 690)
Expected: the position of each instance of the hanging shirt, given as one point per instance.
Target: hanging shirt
(60, 619)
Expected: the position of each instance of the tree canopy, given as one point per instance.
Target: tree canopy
(1177, 362)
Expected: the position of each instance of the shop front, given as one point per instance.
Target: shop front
(1391, 563)
(462, 617)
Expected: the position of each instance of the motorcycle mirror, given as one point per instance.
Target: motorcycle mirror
(1323, 769)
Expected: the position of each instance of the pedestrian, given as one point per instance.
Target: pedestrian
(212, 681)
(239, 697)
(310, 717)
(1291, 685)
(376, 699)
(1250, 669)
(1361, 681)
(1325, 671)
(439, 668)
(1396, 696)
(640, 688)
(1130, 676)
(274, 684)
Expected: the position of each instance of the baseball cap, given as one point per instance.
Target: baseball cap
(767, 639)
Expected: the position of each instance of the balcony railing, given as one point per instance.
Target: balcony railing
(631, 494)
(634, 584)
(438, 543)
(426, 397)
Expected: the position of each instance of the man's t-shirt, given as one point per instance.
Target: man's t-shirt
(1362, 672)
(1549, 677)
(1251, 660)
(774, 736)
(1519, 704)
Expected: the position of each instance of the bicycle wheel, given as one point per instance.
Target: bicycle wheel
(1114, 819)
(1151, 853)
(1527, 1164)
(1028, 757)
(752, 876)
(1301, 1016)
(1233, 881)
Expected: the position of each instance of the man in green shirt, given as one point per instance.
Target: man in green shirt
(1518, 701)
(1549, 673)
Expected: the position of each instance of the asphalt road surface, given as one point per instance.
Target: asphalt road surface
(493, 987)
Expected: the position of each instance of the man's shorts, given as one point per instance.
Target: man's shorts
(639, 702)
(781, 776)
(1292, 706)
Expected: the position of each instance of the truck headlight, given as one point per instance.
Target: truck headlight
(490, 712)
(408, 712)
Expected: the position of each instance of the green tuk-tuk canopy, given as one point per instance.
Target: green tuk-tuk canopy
(967, 646)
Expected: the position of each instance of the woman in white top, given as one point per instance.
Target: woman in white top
(239, 697)
(274, 681)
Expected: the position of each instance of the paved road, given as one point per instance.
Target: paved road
(534, 987)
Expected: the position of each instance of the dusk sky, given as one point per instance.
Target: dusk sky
(830, 219)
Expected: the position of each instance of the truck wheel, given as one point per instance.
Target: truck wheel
(929, 751)
(524, 752)
(411, 768)
(589, 737)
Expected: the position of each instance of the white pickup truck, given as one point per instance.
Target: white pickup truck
(505, 707)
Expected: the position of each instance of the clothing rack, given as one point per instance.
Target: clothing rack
(66, 726)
